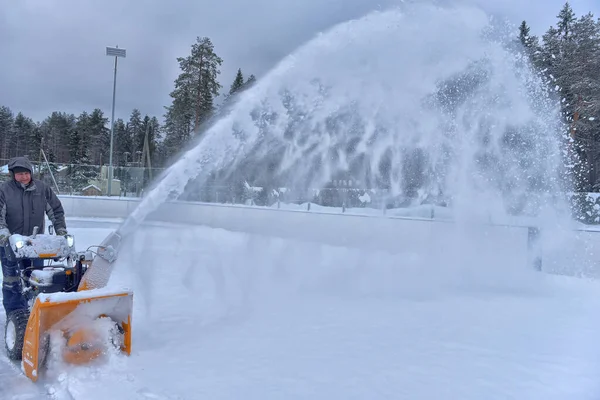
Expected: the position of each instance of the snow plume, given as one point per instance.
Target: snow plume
(428, 101)
(227, 276)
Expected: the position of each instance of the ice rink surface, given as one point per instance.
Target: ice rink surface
(225, 315)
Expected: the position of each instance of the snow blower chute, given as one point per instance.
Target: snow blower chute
(65, 295)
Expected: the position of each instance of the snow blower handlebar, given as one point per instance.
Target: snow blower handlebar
(20, 247)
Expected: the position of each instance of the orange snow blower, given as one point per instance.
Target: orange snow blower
(68, 305)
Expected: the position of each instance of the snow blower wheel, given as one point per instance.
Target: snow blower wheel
(14, 333)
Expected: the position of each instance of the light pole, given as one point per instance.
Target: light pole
(115, 52)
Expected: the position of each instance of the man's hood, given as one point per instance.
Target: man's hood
(20, 162)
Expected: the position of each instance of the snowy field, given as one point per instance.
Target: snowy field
(223, 315)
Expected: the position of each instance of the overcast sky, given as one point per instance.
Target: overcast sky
(52, 52)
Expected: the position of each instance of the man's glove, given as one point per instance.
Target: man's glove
(62, 232)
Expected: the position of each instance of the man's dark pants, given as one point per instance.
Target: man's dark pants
(12, 299)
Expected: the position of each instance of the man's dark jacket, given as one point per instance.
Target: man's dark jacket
(22, 208)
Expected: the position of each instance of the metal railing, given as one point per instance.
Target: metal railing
(133, 180)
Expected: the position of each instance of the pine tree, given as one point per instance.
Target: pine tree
(194, 93)
(176, 133)
(238, 86)
(569, 58)
(530, 44)
(566, 19)
(99, 139)
(6, 130)
(36, 139)
(524, 33)
(81, 172)
(56, 132)
(47, 170)
(146, 127)
(585, 73)
(584, 84)
(25, 139)
(153, 139)
(135, 129)
(238, 82)
(122, 143)
(156, 144)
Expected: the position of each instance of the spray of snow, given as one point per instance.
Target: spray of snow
(385, 93)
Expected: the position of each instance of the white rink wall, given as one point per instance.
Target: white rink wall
(97, 207)
(566, 252)
(437, 238)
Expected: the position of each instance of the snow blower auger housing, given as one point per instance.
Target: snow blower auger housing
(88, 319)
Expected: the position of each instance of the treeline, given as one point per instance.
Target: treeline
(568, 57)
(85, 139)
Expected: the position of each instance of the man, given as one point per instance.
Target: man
(23, 203)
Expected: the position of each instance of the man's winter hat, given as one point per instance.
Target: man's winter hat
(16, 170)
(20, 164)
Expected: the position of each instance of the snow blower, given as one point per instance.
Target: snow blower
(63, 297)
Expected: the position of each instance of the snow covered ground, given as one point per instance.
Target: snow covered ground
(225, 315)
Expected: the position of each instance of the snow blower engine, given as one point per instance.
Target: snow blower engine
(50, 272)
(46, 263)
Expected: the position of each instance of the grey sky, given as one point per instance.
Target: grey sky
(52, 51)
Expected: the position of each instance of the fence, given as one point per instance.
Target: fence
(132, 180)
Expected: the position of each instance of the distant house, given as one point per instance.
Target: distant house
(344, 180)
(91, 190)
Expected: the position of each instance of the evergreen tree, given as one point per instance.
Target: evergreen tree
(156, 138)
(238, 82)
(25, 138)
(524, 34)
(135, 129)
(98, 142)
(238, 86)
(193, 96)
(153, 136)
(146, 127)
(566, 19)
(177, 129)
(78, 180)
(81, 171)
(122, 143)
(15, 141)
(47, 170)
(584, 85)
(35, 140)
(569, 58)
(55, 131)
(6, 130)
(530, 44)
(121, 154)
